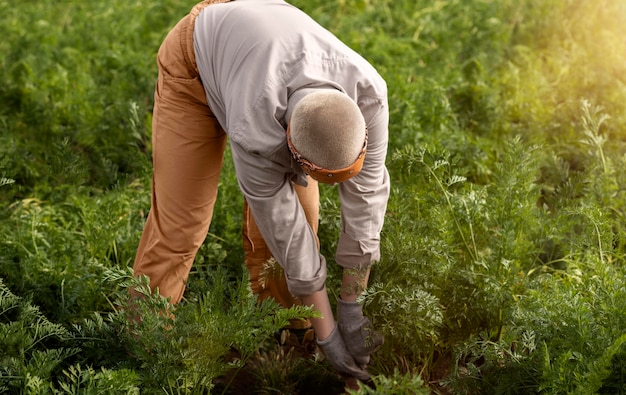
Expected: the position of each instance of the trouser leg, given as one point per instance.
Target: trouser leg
(188, 147)
(267, 279)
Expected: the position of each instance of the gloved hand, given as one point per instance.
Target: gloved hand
(339, 357)
(360, 337)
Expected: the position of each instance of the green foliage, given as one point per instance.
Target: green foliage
(227, 319)
(394, 384)
(87, 381)
(218, 333)
(503, 250)
(482, 240)
(554, 61)
(32, 346)
(57, 253)
(139, 346)
(75, 110)
(564, 337)
(411, 318)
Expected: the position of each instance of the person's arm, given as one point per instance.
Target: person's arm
(282, 222)
(363, 205)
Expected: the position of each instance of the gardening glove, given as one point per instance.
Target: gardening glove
(360, 337)
(339, 357)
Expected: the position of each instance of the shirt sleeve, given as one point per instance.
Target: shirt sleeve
(281, 219)
(364, 197)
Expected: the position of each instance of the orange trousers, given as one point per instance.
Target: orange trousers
(188, 149)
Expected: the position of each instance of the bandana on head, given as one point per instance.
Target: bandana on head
(321, 174)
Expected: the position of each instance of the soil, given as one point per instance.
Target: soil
(285, 371)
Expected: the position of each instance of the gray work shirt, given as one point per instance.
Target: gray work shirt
(256, 59)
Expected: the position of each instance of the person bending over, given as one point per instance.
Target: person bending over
(298, 107)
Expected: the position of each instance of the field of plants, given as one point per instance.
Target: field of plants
(503, 259)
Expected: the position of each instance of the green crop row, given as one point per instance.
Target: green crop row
(502, 267)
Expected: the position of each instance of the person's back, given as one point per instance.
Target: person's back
(254, 54)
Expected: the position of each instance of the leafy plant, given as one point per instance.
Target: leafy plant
(33, 347)
(393, 384)
(87, 381)
(502, 264)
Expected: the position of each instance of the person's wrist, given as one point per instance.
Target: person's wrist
(349, 313)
